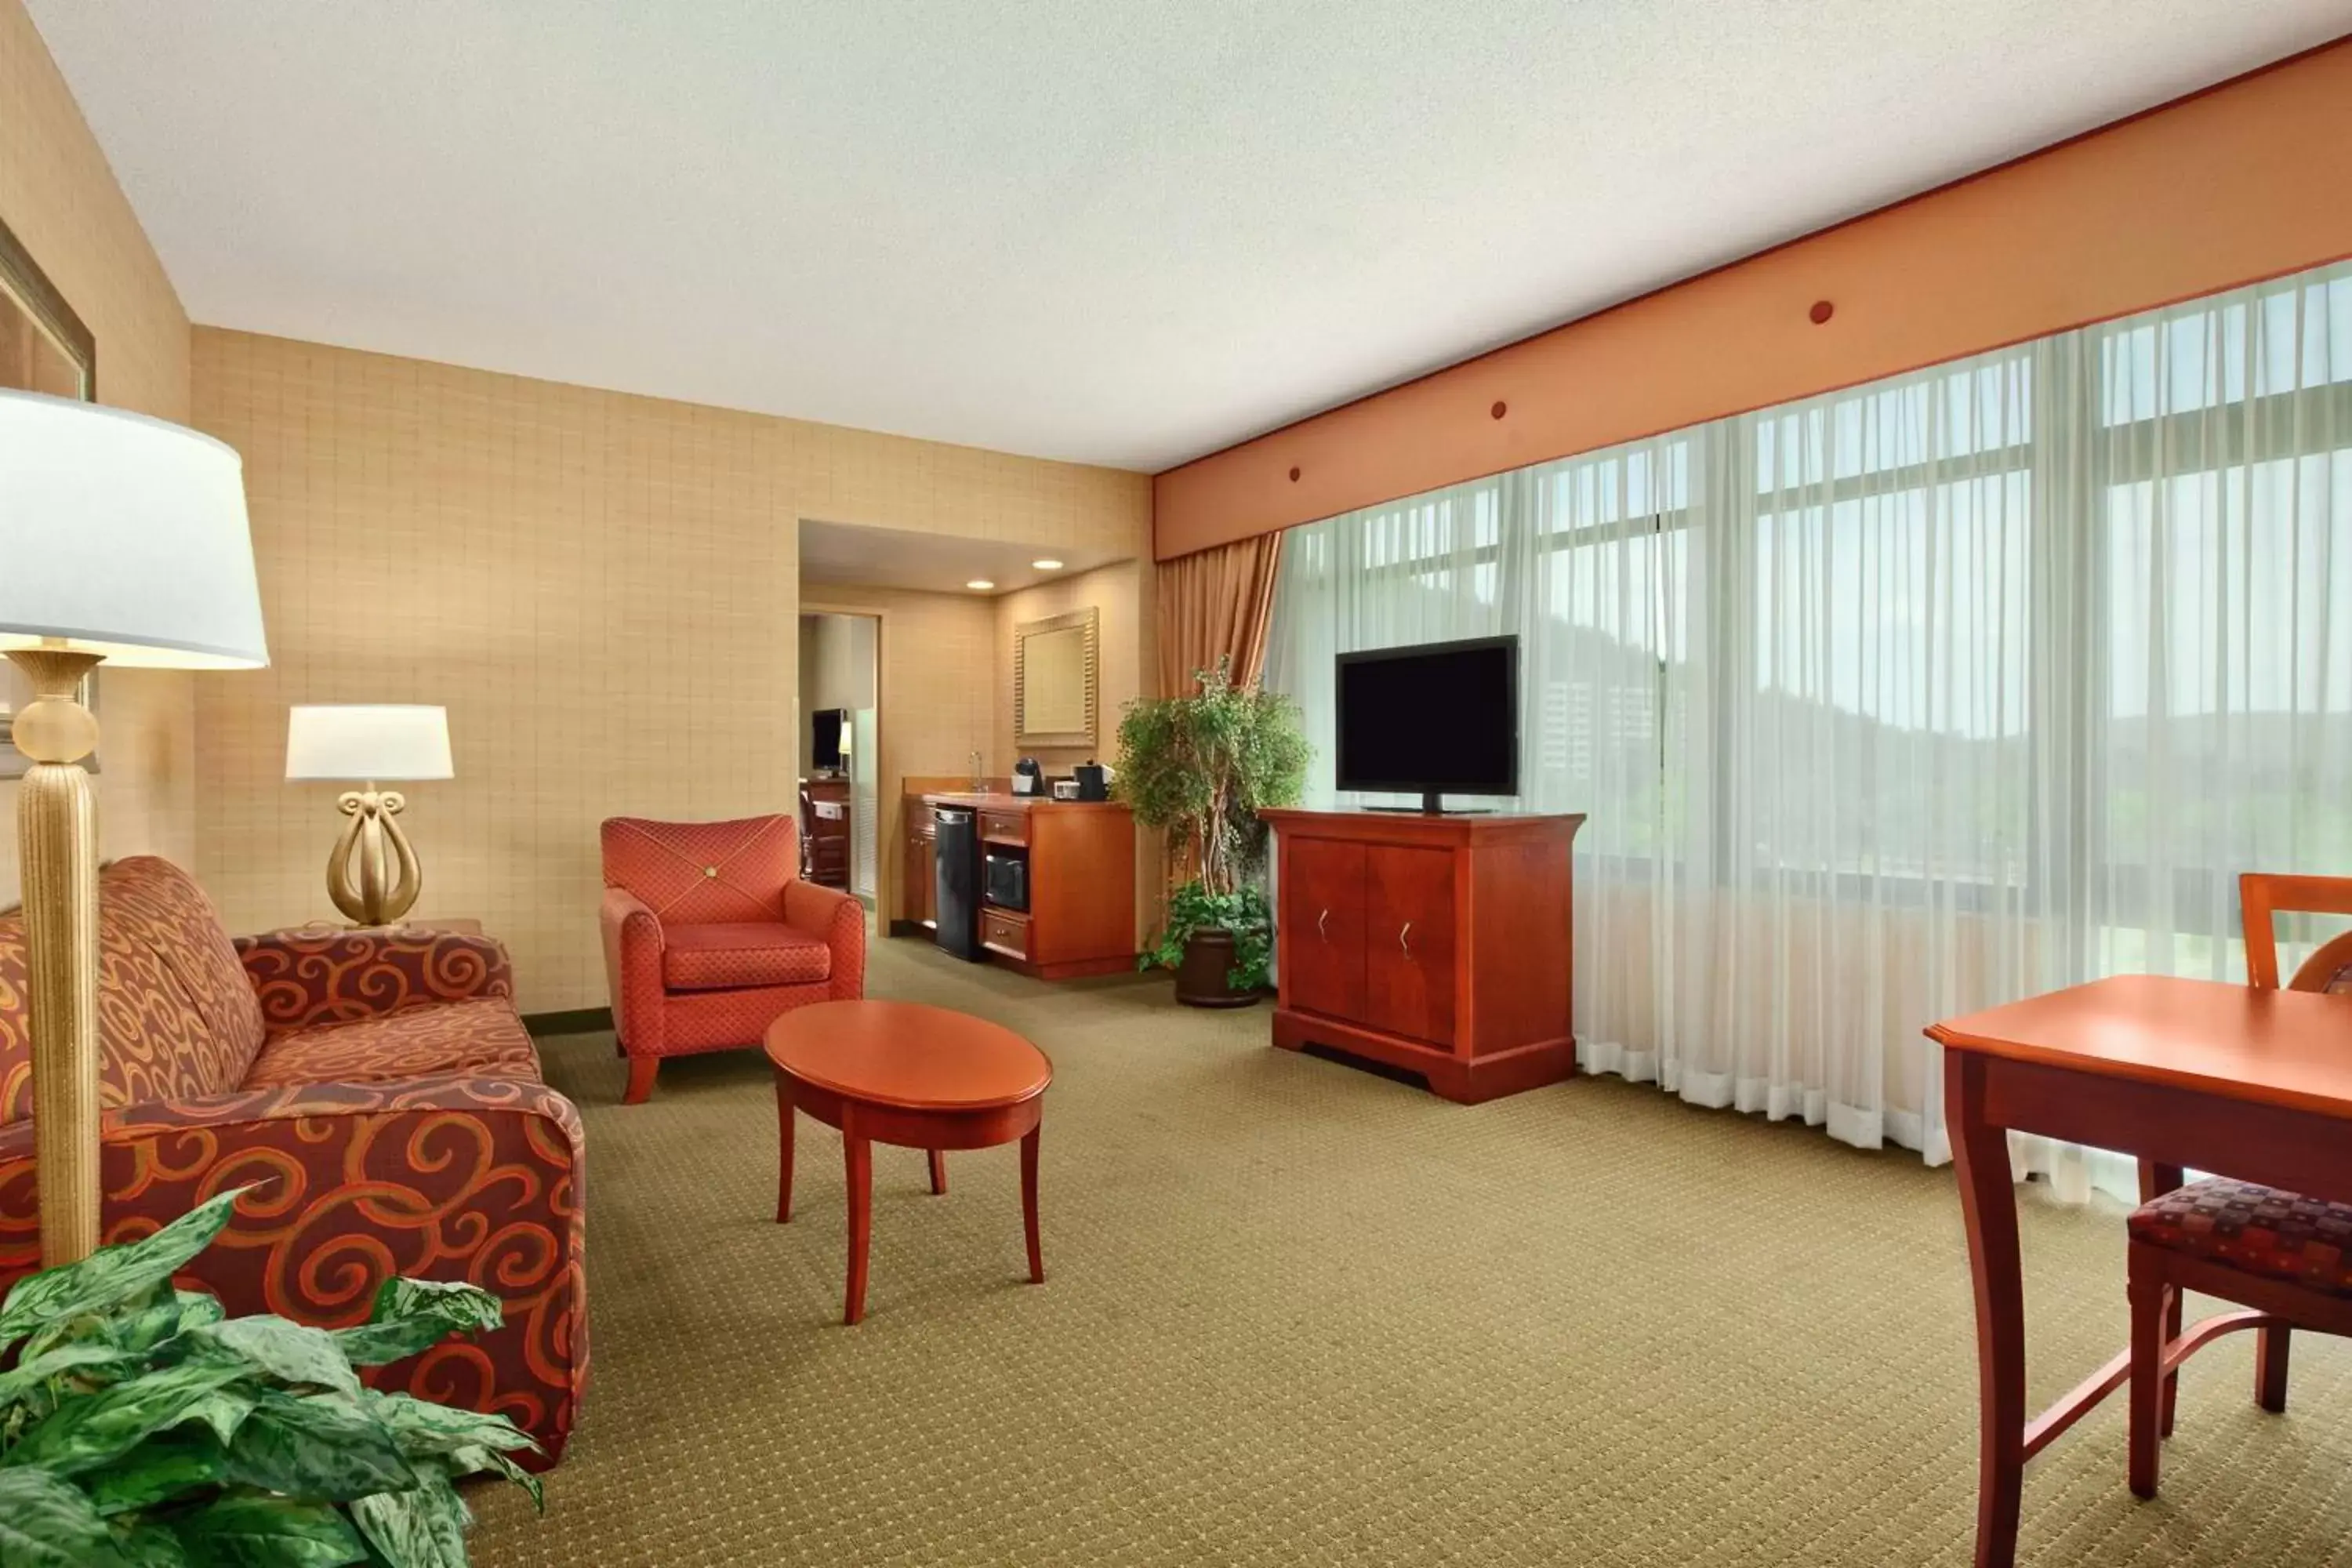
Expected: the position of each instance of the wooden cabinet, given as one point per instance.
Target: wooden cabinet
(825, 832)
(1438, 945)
(917, 906)
(1409, 942)
(1004, 932)
(1078, 863)
(1323, 890)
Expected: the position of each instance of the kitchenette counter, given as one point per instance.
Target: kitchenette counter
(1056, 878)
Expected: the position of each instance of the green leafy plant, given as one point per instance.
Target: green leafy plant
(1203, 766)
(1192, 908)
(140, 1427)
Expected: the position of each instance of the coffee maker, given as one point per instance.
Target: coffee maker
(1028, 777)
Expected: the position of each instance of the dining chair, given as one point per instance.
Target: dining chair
(2285, 1258)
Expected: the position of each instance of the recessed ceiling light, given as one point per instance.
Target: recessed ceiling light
(1047, 565)
(980, 583)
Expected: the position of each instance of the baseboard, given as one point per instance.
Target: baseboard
(577, 1021)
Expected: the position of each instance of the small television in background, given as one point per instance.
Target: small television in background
(1433, 719)
(830, 726)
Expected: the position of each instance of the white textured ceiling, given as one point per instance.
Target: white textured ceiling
(1117, 231)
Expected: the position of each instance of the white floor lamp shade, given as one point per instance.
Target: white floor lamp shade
(125, 537)
(122, 538)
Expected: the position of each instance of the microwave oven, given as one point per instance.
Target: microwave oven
(1004, 879)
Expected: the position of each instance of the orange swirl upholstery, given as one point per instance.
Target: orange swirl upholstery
(329, 975)
(710, 935)
(176, 1014)
(392, 1119)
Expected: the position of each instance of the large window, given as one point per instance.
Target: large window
(1907, 699)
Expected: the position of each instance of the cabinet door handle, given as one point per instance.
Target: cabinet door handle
(1322, 925)
(1404, 939)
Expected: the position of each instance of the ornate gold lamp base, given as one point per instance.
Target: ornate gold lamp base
(375, 842)
(57, 834)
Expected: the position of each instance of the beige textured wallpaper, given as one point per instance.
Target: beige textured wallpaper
(59, 198)
(603, 589)
(1121, 595)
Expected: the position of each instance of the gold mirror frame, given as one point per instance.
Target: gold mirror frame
(28, 300)
(1024, 735)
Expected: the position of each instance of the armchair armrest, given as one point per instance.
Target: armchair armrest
(452, 1178)
(324, 975)
(633, 970)
(840, 920)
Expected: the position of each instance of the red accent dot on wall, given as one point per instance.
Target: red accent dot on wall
(1294, 475)
(1500, 410)
(1822, 311)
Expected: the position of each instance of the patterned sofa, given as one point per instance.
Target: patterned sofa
(378, 1087)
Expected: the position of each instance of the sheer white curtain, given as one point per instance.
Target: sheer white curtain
(1907, 700)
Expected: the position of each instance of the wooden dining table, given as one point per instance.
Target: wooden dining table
(2182, 1073)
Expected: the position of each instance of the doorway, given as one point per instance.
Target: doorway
(840, 688)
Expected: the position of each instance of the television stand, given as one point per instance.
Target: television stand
(1429, 806)
(1440, 945)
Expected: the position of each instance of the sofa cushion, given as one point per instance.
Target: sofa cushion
(732, 954)
(177, 1017)
(481, 1039)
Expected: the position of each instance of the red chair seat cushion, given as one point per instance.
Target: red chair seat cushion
(480, 1038)
(2254, 1229)
(729, 955)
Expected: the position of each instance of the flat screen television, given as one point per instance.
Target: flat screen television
(1433, 719)
(828, 724)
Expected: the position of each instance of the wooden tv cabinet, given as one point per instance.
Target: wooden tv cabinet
(1437, 945)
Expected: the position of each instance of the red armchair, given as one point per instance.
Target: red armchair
(375, 1088)
(711, 934)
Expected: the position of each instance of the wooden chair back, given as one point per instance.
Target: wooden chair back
(2262, 896)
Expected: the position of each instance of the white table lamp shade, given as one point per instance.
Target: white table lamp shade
(367, 742)
(124, 536)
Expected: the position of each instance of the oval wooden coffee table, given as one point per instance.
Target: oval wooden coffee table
(920, 1077)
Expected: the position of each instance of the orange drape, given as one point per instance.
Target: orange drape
(1216, 604)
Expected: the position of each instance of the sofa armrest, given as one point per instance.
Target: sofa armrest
(324, 976)
(633, 970)
(840, 920)
(470, 1179)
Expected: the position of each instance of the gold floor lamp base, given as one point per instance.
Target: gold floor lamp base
(57, 834)
(373, 842)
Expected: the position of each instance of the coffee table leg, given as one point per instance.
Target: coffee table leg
(858, 1154)
(938, 1171)
(1029, 1204)
(783, 1153)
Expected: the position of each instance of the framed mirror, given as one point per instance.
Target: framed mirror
(1055, 699)
(44, 347)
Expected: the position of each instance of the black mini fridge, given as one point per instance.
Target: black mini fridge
(955, 849)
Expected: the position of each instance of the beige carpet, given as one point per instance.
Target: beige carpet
(1296, 1314)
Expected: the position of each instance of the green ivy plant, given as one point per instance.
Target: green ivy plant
(1192, 908)
(142, 1428)
(1203, 766)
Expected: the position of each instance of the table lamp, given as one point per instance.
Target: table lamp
(369, 743)
(122, 539)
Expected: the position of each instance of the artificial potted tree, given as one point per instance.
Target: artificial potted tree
(1202, 766)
